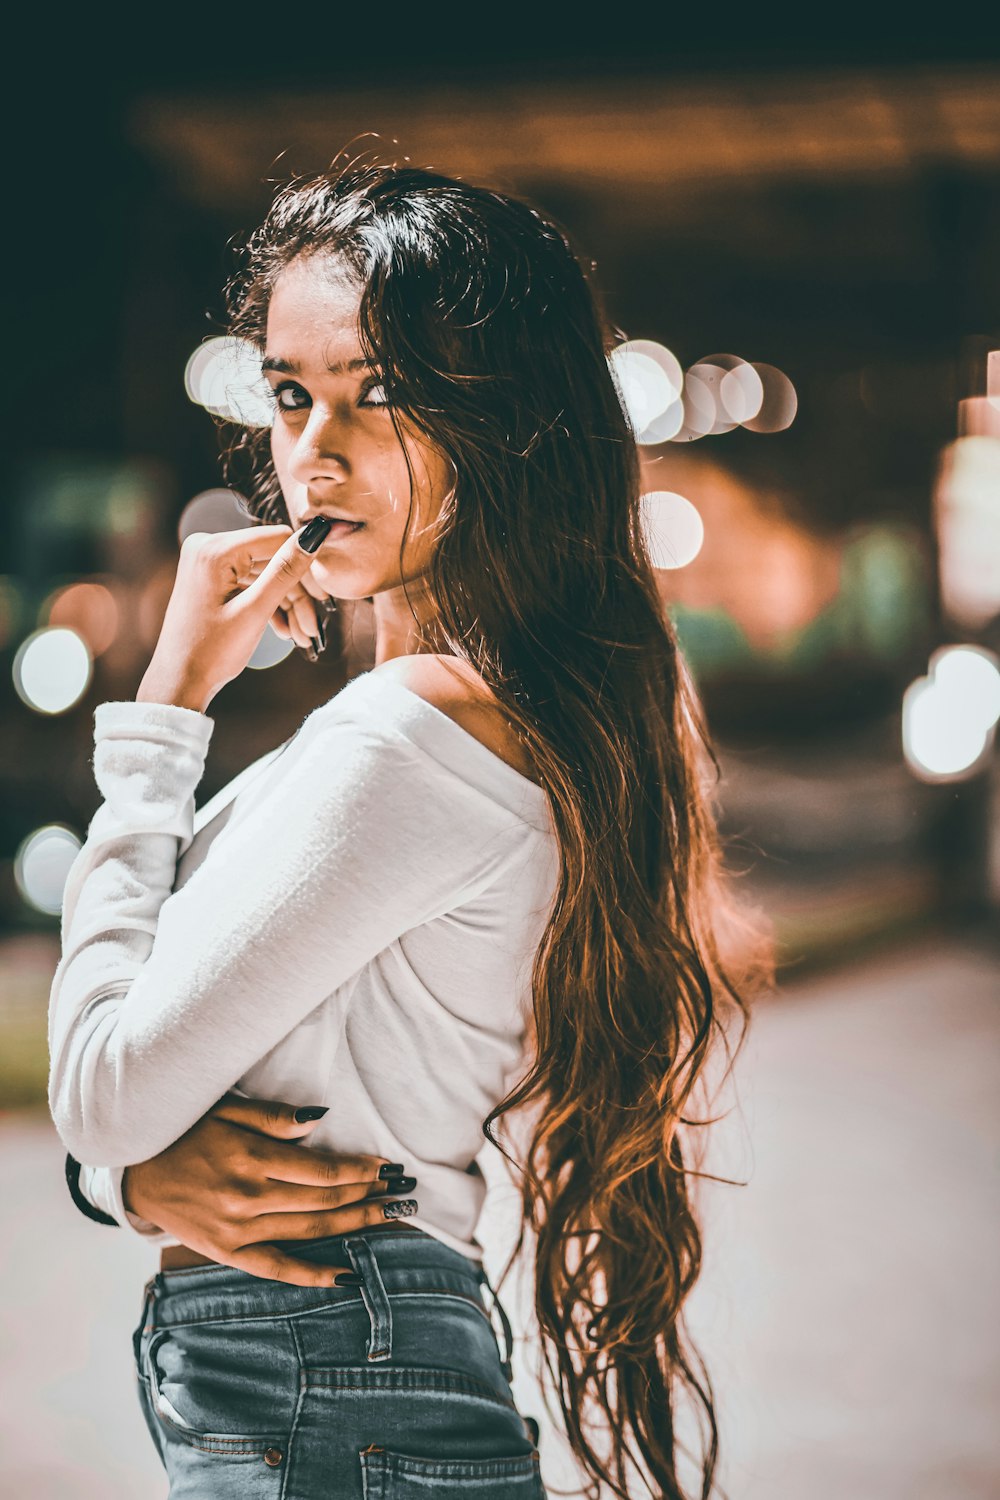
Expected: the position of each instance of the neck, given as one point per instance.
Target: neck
(406, 627)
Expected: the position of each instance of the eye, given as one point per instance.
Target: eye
(374, 395)
(290, 397)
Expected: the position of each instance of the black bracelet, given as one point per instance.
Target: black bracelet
(82, 1203)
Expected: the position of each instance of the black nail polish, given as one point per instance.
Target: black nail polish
(321, 633)
(313, 535)
(402, 1208)
(311, 1112)
(348, 1278)
(400, 1185)
(391, 1169)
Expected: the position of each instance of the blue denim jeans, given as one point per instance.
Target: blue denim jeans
(393, 1390)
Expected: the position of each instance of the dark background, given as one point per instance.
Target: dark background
(116, 264)
(830, 204)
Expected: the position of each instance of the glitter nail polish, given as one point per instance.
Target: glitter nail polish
(402, 1208)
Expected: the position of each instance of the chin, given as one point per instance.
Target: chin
(341, 583)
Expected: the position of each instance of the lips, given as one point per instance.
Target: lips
(341, 529)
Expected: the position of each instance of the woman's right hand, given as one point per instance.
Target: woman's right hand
(236, 1181)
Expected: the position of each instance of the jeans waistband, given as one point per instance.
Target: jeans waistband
(408, 1260)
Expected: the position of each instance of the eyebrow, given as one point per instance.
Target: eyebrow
(289, 367)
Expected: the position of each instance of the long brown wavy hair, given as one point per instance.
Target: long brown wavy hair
(491, 342)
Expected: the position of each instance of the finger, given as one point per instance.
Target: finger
(307, 583)
(317, 1226)
(272, 1117)
(272, 1264)
(274, 1123)
(282, 572)
(275, 1196)
(294, 629)
(281, 1162)
(236, 552)
(303, 613)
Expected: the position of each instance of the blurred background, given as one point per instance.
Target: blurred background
(798, 246)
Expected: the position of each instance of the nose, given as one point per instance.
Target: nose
(319, 455)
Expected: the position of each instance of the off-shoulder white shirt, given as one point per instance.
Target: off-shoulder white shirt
(351, 922)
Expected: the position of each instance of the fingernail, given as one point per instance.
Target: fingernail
(391, 1169)
(311, 1112)
(400, 1185)
(401, 1209)
(313, 653)
(321, 633)
(314, 533)
(349, 1278)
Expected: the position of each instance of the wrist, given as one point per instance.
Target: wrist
(126, 1198)
(157, 687)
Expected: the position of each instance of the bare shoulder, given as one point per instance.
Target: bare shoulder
(456, 689)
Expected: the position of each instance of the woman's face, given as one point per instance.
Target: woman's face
(334, 447)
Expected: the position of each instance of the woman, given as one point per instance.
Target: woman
(489, 861)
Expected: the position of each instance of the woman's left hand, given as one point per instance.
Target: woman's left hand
(228, 587)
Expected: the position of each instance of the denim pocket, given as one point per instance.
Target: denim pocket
(388, 1474)
(163, 1370)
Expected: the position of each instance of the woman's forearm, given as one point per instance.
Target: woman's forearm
(159, 687)
(148, 760)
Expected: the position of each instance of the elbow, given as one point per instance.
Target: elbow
(92, 1143)
(97, 1136)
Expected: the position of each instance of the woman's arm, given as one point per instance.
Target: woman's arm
(237, 1181)
(163, 1000)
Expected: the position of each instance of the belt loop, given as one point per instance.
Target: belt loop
(374, 1296)
(506, 1361)
(146, 1320)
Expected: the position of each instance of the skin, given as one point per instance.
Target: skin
(335, 452)
(238, 1180)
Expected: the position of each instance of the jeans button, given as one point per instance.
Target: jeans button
(273, 1457)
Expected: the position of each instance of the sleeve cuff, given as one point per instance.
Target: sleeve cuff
(148, 760)
(83, 1204)
(126, 713)
(97, 1192)
(116, 1202)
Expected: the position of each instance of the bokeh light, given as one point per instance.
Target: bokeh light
(949, 715)
(665, 427)
(737, 389)
(672, 529)
(52, 669)
(699, 409)
(779, 403)
(716, 394)
(649, 382)
(711, 375)
(270, 649)
(741, 391)
(967, 521)
(969, 677)
(90, 609)
(223, 375)
(41, 865)
(213, 510)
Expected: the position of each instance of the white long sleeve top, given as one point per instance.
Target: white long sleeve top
(351, 922)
